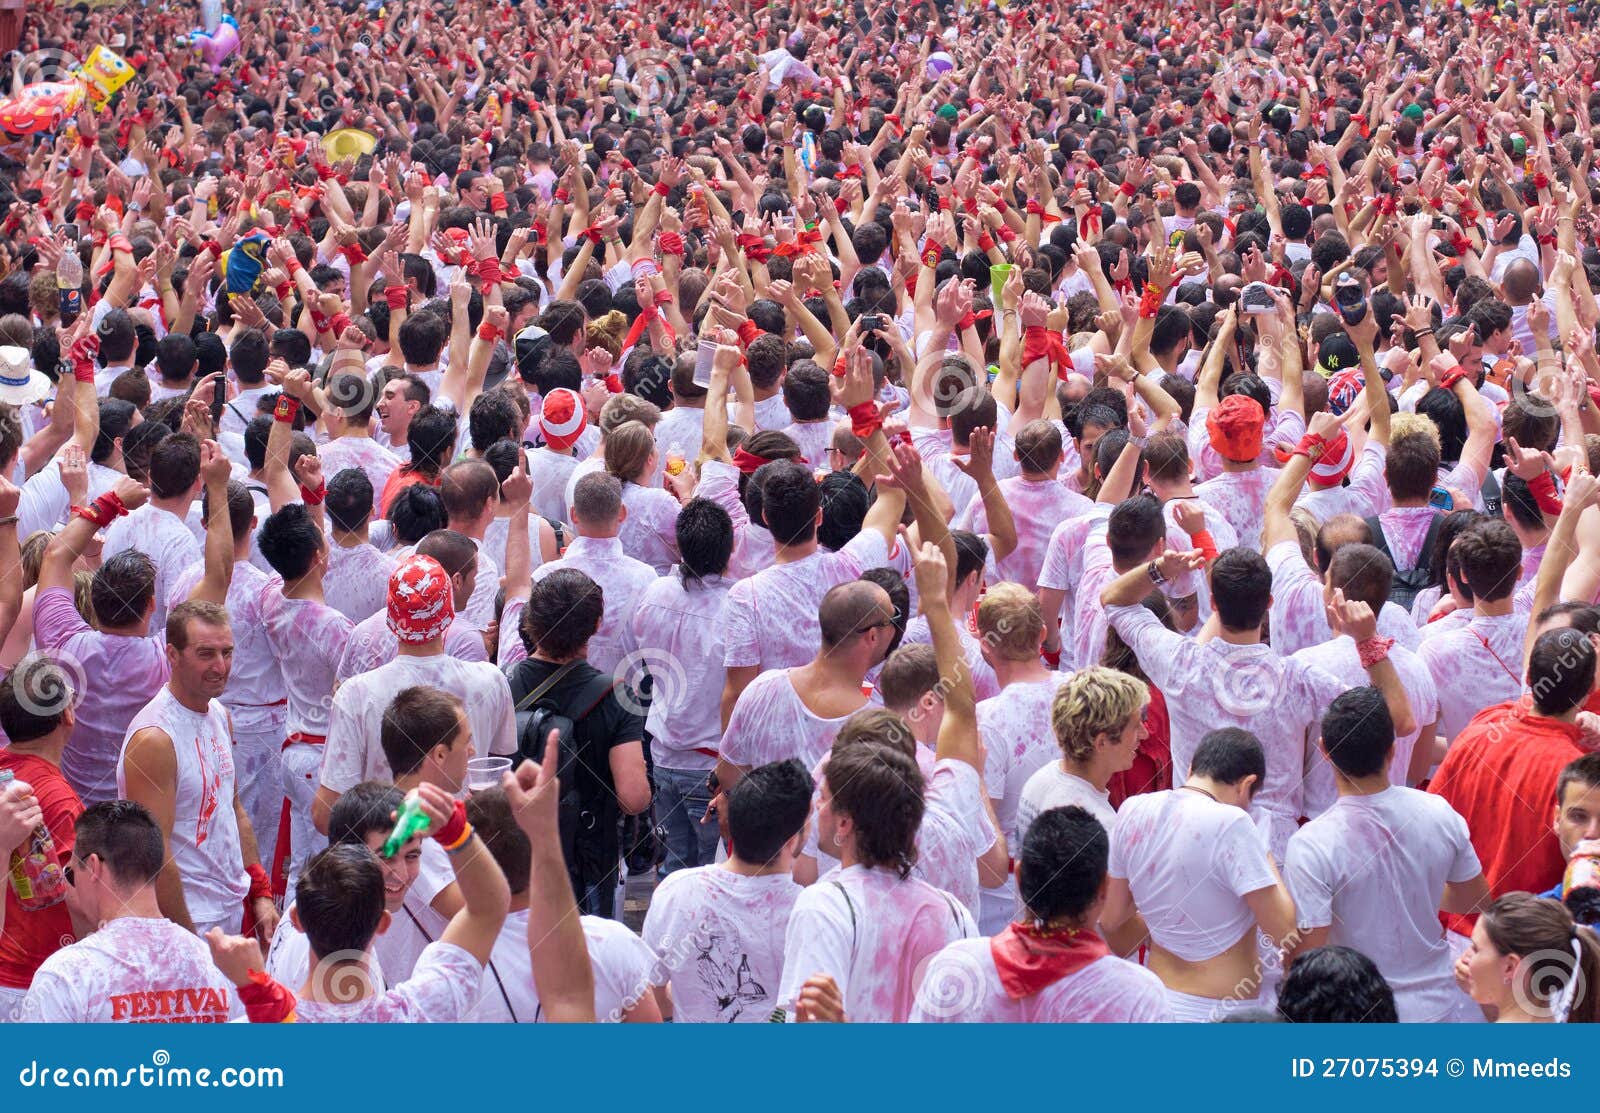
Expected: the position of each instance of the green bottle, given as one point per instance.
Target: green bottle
(411, 821)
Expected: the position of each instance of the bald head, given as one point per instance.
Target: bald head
(1521, 282)
(1338, 531)
(852, 608)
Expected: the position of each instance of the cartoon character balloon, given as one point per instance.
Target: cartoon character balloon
(102, 74)
(42, 106)
(218, 46)
(243, 263)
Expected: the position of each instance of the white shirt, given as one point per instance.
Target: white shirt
(870, 931)
(1475, 664)
(353, 753)
(962, 986)
(622, 580)
(1241, 496)
(1018, 741)
(1373, 870)
(673, 627)
(358, 452)
(441, 990)
(1189, 862)
(550, 471)
(132, 970)
(1298, 617)
(308, 638)
(622, 966)
(1053, 787)
(356, 583)
(770, 722)
(44, 503)
(649, 533)
(720, 937)
(1037, 507)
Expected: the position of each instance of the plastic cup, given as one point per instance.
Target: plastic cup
(485, 772)
(998, 273)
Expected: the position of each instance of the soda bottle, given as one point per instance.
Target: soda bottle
(36, 872)
(69, 283)
(411, 821)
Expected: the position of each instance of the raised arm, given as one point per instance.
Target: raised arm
(213, 585)
(958, 732)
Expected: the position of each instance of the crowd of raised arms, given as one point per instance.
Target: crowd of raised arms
(809, 511)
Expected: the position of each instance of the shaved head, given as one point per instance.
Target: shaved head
(852, 608)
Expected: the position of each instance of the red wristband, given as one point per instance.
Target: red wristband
(286, 409)
(489, 332)
(497, 202)
(260, 883)
(1543, 489)
(1373, 650)
(662, 189)
(396, 297)
(313, 497)
(1205, 543)
(1450, 378)
(266, 1000)
(489, 271)
(865, 419)
(450, 835)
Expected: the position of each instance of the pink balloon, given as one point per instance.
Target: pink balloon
(218, 46)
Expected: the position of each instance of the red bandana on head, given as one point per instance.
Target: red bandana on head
(421, 600)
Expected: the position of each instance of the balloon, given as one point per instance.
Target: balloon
(42, 106)
(939, 63)
(347, 143)
(102, 74)
(243, 263)
(218, 46)
(210, 15)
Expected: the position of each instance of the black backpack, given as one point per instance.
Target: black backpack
(589, 851)
(1409, 584)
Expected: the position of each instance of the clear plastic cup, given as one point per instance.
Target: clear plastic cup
(485, 772)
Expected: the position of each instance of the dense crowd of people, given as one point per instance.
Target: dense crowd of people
(1033, 511)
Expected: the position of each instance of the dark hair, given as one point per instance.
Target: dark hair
(1358, 732)
(116, 418)
(122, 589)
(34, 696)
(1525, 925)
(495, 823)
(365, 809)
(1561, 670)
(705, 539)
(563, 612)
(844, 507)
(339, 898)
(422, 337)
(1583, 770)
(418, 719)
(1241, 588)
(349, 499)
(290, 540)
(431, 436)
(125, 837)
(415, 512)
(1336, 985)
(175, 356)
(1229, 755)
(1363, 573)
(249, 355)
(880, 788)
(766, 809)
(790, 499)
(1062, 864)
(467, 488)
(805, 391)
(1135, 527)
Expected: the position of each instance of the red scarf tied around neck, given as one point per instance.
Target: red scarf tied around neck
(1030, 958)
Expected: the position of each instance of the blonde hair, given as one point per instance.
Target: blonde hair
(620, 409)
(1092, 702)
(33, 556)
(606, 331)
(875, 725)
(1405, 424)
(1010, 622)
(82, 601)
(628, 449)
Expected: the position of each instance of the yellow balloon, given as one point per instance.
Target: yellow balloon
(102, 74)
(347, 143)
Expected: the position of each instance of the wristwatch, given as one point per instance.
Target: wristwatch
(1154, 570)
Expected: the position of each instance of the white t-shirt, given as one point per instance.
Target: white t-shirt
(1053, 787)
(622, 580)
(163, 537)
(441, 990)
(132, 970)
(289, 957)
(770, 722)
(962, 986)
(622, 965)
(1373, 870)
(354, 753)
(873, 933)
(671, 622)
(1189, 862)
(720, 937)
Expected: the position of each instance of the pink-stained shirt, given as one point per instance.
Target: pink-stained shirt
(771, 618)
(1299, 616)
(873, 933)
(622, 580)
(163, 537)
(1364, 495)
(1089, 617)
(254, 695)
(132, 970)
(675, 628)
(1405, 528)
(442, 989)
(752, 544)
(115, 677)
(814, 439)
(1282, 427)
(1018, 741)
(1038, 506)
(372, 644)
(356, 583)
(1062, 569)
(308, 638)
(550, 472)
(354, 754)
(770, 722)
(364, 453)
(1241, 496)
(962, 986)
(1475, 664)
(1338, 657)
(984, 684)
(1222, 684)
(649, 532)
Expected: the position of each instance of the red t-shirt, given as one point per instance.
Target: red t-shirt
(1151, 770)
(402, 478)
(31, 937)
(1501, 774)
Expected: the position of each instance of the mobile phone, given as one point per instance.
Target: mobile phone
(1256, 297)
(71, 232)
(1350, 302)
(1441, 499)
(705, 356)
(218, 396)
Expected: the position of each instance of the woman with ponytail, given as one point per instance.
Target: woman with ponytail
(1530, 963)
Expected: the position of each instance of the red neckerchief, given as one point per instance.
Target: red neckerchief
(1029, 958)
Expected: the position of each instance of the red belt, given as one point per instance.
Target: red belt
(307, 739)
(707, 752)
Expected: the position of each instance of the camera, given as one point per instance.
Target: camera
(1257, 297)
(1351, 302)
(870, 323)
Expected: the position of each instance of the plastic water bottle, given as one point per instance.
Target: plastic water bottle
(36, 872)
(411, 821)
(69, 282)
